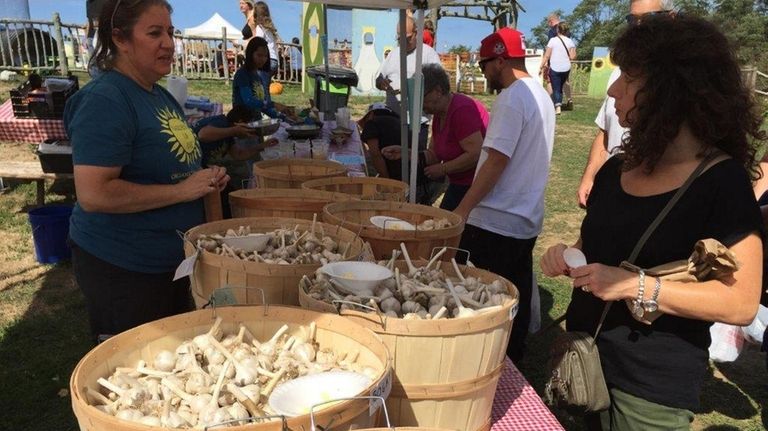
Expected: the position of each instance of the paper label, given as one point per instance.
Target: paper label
(381, 390)
(224, 296)
(186, 267)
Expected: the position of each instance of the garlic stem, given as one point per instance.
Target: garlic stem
(241, 396)
(215, 343)
(397, 278)
(272, 383)
(411, 269)
(435, 258)
(98, 396)
(219, 383)
(176, 390)
(312, 330)
(458, 271)
(141, 367)
(278, 334)
(314, 220)
(440, 313)
(111, 387)
(215, 327)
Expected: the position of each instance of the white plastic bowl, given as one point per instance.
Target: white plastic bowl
(248, 243)
(296, 397)
(357, 278)
(391, 223)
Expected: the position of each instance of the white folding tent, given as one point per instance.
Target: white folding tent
(420, 6)
(213, 28)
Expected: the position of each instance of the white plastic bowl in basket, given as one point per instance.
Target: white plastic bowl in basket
(296, 397)
(356, 278)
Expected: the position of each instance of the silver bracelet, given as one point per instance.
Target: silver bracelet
(652, 304)
(637, 304)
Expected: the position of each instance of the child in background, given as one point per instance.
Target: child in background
(226, 140)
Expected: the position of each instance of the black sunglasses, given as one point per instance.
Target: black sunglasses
(483, 62)
(637, 19)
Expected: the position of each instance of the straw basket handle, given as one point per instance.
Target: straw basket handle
(221, 296)
(382, 317)
(362, 397)
(250, 419)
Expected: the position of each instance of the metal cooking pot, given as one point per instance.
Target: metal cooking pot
(303, 131)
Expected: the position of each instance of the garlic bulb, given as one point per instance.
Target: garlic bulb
(165, 361)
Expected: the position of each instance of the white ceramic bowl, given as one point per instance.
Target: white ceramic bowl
(391, 223)
(248, 243)
(357, 278)
(296, 397)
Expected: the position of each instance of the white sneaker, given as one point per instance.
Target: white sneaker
(557, 109)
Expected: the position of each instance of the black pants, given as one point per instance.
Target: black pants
(118, 299)
(453, 196)
(512, 259)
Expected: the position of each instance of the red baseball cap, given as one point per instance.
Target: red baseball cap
(506, 42)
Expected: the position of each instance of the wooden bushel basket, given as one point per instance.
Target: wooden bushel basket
(356, 215)
(367, 188)
(291, 203)
(290, 173)
(446, 370)
(143, 343)
(279, 282)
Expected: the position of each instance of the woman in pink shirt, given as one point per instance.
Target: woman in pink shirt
(458, 128)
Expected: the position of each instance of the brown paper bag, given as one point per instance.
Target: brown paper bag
(710, 260)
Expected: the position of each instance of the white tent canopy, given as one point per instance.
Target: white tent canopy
(212, 28)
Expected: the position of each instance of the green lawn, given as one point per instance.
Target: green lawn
(43, 322)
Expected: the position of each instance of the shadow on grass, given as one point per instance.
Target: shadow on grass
(746, 379)
(534, 366)
(38, 352)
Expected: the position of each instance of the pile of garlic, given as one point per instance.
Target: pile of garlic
(285, 247)
(422, 293)
(434, 224)
(213, 379)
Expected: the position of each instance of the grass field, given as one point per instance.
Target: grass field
(43, 322)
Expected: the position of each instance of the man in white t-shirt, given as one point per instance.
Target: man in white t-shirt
(388, 78)
(610, 132)
(504, 207)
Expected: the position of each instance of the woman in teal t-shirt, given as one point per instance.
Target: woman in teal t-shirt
(248, 87)
(137, 174)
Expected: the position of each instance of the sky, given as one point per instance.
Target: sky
(287, 17)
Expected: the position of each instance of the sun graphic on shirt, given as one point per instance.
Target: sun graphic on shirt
(181, 138)
(258, 90)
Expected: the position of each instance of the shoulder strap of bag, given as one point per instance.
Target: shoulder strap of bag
(566, 48)
(652, 227)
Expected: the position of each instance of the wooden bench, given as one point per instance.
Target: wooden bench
(30, 171)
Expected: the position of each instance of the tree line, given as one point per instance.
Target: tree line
(598, 22)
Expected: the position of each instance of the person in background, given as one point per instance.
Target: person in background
(137, 174)
(428, 35)
(296, 59)
(266, 30)
(459, 124)
(223, 142)
(246, 8)
(92, 11)
(675, 74)
(553, 20)
(381, 129)
(560, 51)
(504, 207)
(388, 80)
(610, 132)
(249, 87)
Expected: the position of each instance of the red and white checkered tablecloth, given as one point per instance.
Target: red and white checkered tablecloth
(28, 129)
(517, 406)
(38, 130)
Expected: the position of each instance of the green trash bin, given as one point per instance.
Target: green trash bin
(337, 85)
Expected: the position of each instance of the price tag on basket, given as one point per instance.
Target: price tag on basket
(381, 390)
(513, 311)
(186, 267)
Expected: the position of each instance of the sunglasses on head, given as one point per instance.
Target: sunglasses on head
(637, 19)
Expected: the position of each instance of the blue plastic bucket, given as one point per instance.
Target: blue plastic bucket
(50, 228)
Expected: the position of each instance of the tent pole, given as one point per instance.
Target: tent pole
(417, 101)
(403, 43)
(327, 55)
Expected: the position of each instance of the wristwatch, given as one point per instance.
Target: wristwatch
(652, 305)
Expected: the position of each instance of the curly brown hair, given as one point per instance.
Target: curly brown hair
(691, 77)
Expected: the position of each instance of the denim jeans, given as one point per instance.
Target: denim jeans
(558, 80)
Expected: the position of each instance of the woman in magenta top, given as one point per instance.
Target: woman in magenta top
(458, 128)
